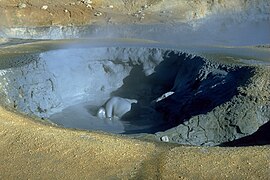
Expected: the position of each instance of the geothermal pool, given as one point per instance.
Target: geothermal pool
(188, 95)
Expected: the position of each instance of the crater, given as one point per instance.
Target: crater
(175, 92)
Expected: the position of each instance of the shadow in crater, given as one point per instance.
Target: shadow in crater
(259, 138)
(203, 94)
(146, 88)
(197, 90)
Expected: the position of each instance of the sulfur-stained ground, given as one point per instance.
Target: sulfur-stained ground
(31, 150)
(22, 13)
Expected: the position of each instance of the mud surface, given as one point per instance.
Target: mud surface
(212, 102)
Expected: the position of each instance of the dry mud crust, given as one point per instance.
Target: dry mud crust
(230, 120)
(30, 150)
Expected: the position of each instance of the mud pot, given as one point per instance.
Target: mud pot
(181, 97)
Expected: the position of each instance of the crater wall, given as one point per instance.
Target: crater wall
(209, 102)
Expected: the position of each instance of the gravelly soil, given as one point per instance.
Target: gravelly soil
(82, 12)
(30, 150)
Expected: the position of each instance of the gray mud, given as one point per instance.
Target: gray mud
(215, 100)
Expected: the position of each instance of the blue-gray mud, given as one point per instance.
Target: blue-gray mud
(220, 94)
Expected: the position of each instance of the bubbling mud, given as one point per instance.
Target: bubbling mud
(140, 90)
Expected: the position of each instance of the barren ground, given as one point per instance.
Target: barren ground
(73, 12)
(30, 150)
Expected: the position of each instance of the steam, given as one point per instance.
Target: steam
(228, 23)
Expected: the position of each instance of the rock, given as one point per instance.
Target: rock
(164, 139)
(89, 6)
(44, 7)
(136, 15)
(78, 2)
(164, 96)
(21, 5)
(87, 2)
(145, 6)
(98, 14)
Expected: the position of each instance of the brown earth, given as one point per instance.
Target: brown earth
(72, 12)
(31, 150)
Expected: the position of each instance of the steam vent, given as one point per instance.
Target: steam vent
(134, 76)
